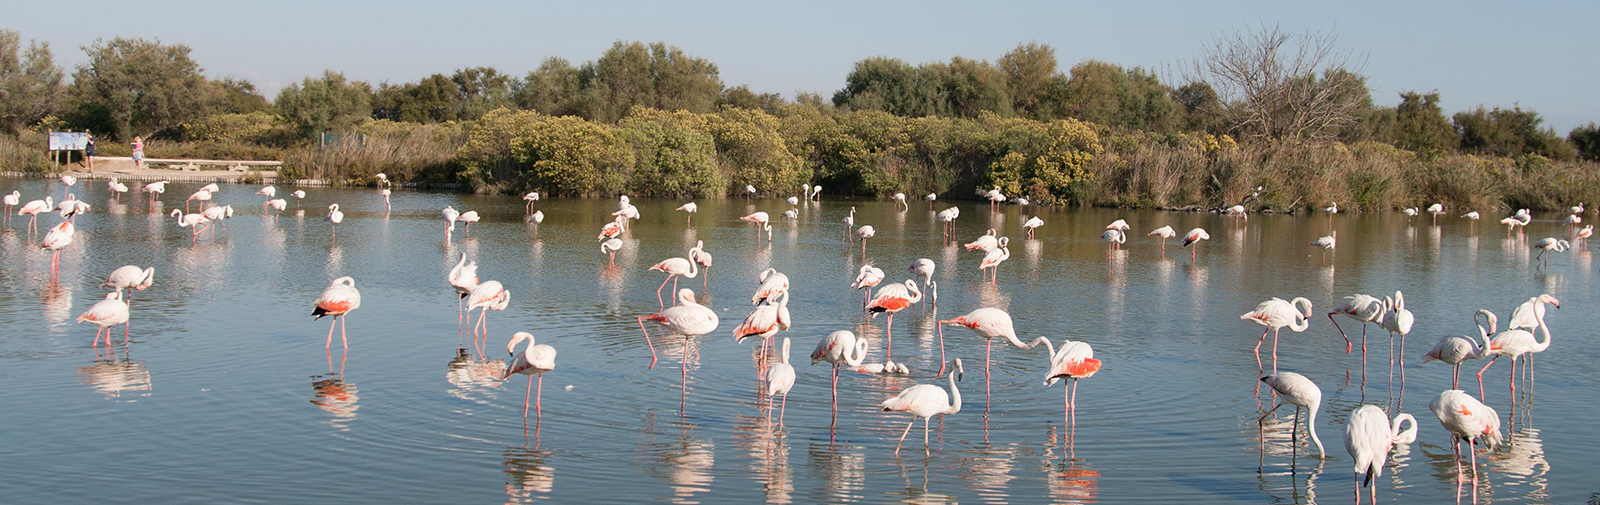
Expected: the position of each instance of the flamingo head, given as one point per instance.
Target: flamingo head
(1546, 298)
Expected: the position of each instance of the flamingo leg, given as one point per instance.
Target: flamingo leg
(903, 435)
(1263, 339)
(988, 347)
(888, 353)
(1275, 350)
(653, 347)
(674, 289)
(342, 338)
(1347, 344)
(835, 388)
(329, 345)
(525, 398)
(663, 304)
(926, 447)
(1480, 375)
(941, 348)
(783, 407)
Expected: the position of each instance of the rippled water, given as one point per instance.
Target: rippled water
(221, 394)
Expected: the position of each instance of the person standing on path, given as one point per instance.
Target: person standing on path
(138, 152)
(88, 150)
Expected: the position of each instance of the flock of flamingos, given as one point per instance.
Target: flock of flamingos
(1369, 434)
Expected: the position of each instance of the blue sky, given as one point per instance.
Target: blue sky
(1489, 53)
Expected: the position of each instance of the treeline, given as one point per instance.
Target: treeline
(1254, 108)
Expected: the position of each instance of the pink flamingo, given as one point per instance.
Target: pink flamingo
(194, 222)
(991, 261)
(925, 401)
(689, 209)
(11, 200)
(1297, 390)
(1192, 238)
(866, 279)
(687, 318)
(765, 321)
(339, 299)
(1075, 360)
(893, 298)
(463, 278)
(33, 208)
(703, 259)
(1456, 349)
(865, 232)
(989, 323)
(450, 215)
(487, 296)
(781, 379)
(533, 361)
(612, 229)
(1517, 341)
(467, 218)
(610, 247)
(1360, 307)
(675, 267)
(1368, 436)
(988, 242)
(836, 349)
(1276, 314)
(54, 240)
(335, 217)
(131, 278)
(1470, 420)
(760, 219)
(106, 314)
(772, 282)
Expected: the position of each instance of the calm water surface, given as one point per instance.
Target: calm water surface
(222, 395)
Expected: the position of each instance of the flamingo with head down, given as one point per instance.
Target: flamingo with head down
(989, 323)
(533, 361)
(925, 401)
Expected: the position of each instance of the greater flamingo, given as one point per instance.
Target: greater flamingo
(994, 196)
(533, 361)
(33, 208)
(106, 314)
(298, 196)
(865, 232)
(771, 283)
(925, 401)
(1295, 389)
(1550, 244)
(989, 323)
(1114, 237)
(449, 215)
(995, 257)
(689, 210)
(675, 267)
(687, 318)
(781, 379)
(988, 242)
(155, 188)
(946, 217)
(1119, 225)
(764, 322)
(277, 205)
(116, 188)
(849, 222)
(268, 192)
(202, 195)
(194, 222)
(1192, 239)
(867, 277)
(700, 257)
(57, 238)
(901, 199)
(924, 267)
(612, 229)
(334, 217)
(840, 348)
(463, 278)
(1165, 232)
(1516, 342)
(1032, 224)
(11, 200)
(1397, 320)
(1455, 349)
(1435, 210)
(131, 278)
(1368, 436)
(486, 296)
(339, 299)
(930, 197)
(529, 198)
(1327, 243)
(760, 219)
(1576, 210)
(610, 247)
(893, 298)
(1360, 307)
(1467, 419)
(1074, 360)
(1276, 314)
(467, 218)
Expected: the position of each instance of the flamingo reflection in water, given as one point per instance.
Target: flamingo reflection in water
(114, 378)
(1075, 483)
(335, 396)
(528, 474)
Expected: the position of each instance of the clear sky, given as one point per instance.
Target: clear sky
(1539, 56)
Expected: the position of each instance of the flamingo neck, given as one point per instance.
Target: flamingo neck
(1311, 426)
(1544, 335)
(860, 353)
(1049, 347)
(955, 395)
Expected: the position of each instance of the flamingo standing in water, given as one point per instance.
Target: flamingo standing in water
(1548, 244)
(612, 229)
(1032, 224)
(892, 299)
(1467, 419)
(529, 199)
(1368, 436)
(1360, 307)
(267, 192)
(385, 192)
(298, 196)
(988, 242)
(867, 277)
(1295, 389)
(849, 222)
(33, 208)
(946, 217)
(689, 210)
(865, 232)
(781, 379)
(760, 219)
(116, 188)
(772, 283)
(836, 348)
(700, 257)
(66, 182)
(277, 205)
(154, 189)
(687, 318)
(533, 361)
(449, 215)
(463, 278)
(467, 218)
(202, 195)
(1518, 341)
(749, 191)
(925, 401)
(989, 323)
(1327, 243)
(764, 322)
(334, 217)
(930, 197)
(1397, 320)
(1455, 349)
(900, 198)
(106, 314)
(1192, 238)
(486, 296)
(992, 260)
(1276, 314)
(1165, 232)
(675, 267)
(131, 278)
(339, 299)
(924, 267)
(1435, 210)
(1114, 237)
(538, 219)
(1074, 360)
(1583, 234)
(610, 247)
(11, 201)
(194, 222)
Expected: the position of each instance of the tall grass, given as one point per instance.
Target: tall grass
(424, 154)
(25, 152)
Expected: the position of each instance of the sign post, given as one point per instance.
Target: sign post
(63, 143)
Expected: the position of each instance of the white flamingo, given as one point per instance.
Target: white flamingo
(925, 401)
(1275, 314)
(1295, 389)
(1368, 437)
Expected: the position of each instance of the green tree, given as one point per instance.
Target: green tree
(741, 97)
(972, 87)
(1104, 93)
(1586, 139)
(330, 103)
(889, 85)
(1509, 132)
(554, 89)
(240, 96)
(30, 82)
(1421, 126)
(480, 90)
(559, 155)
(1032, 80)
(751, 150)
(656, 76)
(673, 154)
(142, 86)
(1202, 109)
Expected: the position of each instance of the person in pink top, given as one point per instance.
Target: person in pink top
(138, 152)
